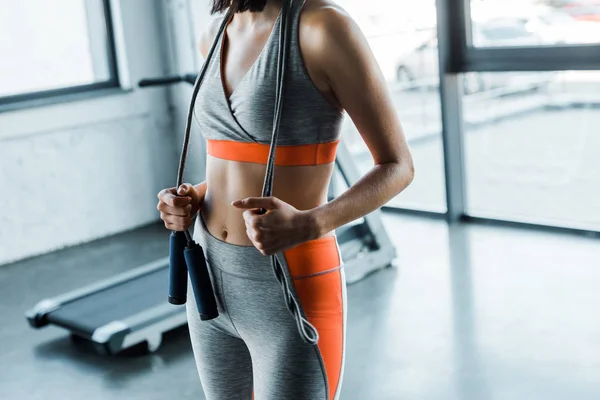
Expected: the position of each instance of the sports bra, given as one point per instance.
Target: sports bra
(239, 128)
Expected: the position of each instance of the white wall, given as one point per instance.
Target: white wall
(73, 172)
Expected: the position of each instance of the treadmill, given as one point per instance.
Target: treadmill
(117, 313)
(131, 308)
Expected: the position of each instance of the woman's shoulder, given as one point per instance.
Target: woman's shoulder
(208, 34)
(325, 25)
(329, 39)
(322, 17)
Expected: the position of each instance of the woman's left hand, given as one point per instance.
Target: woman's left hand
(280, 228)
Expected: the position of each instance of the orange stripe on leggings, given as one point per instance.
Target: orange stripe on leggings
(321, 298)
(303, 154)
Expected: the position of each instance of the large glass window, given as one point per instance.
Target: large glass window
(49, 46)
(405, 46)
(518, 23)
(532, 147)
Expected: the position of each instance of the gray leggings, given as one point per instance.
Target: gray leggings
(253, 348)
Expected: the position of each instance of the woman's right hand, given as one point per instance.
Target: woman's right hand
(178, 207)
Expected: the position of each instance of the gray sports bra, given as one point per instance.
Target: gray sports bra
(247, 116)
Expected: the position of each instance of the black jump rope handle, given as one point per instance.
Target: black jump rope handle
(188, 258)
(178, 270)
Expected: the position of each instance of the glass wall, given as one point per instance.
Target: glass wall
(518, 23)
(405, 46)
(532, 148)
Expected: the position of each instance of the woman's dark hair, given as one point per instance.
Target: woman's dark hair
(219, 6)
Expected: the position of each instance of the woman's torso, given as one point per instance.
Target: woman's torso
(243, 113)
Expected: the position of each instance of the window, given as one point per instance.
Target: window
(503, 29)
(405, 47)
(519, 23)
(584, 10)
(54, 47)
(531, 148)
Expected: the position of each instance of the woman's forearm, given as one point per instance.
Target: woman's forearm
(381, 184)
(201, 189)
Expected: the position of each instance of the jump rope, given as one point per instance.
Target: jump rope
(186, 256)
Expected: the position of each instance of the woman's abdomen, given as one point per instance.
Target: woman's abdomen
(303, 187)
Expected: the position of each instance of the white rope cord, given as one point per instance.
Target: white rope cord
(307, 331)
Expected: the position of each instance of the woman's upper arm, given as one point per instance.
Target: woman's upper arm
(342, 58)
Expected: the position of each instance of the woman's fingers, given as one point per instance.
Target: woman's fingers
(178, 211)
(175, 227)
(175, 211)
(175, 219)
(262, 236)
(170, 198)
(176, 223)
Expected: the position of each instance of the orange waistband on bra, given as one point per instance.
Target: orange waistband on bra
(303, 154)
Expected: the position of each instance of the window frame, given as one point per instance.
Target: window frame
(60, 94)
(467, 58)
(457, 57)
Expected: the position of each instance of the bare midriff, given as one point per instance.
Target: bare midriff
(304, 187)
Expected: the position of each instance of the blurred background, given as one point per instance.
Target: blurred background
(493, 288)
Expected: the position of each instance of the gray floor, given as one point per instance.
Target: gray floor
(471, 312)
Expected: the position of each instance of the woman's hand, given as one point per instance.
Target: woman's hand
(280, 228)
(178, 207)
